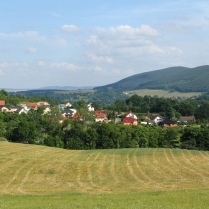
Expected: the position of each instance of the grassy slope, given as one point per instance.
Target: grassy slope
(162, 93)
(38, 176)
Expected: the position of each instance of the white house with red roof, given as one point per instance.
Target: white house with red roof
(100, 115)
(130, 119)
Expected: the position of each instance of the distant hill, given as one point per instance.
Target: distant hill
(67, 87)
(180, 79)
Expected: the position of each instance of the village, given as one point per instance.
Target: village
(69, 112)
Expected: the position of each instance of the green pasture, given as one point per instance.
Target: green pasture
(184, 199)
(162, 93)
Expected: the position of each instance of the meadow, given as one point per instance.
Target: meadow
(34, 176)
(162, 93)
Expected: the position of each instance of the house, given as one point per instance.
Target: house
(68, 104)
(4, 108)
(119, 118)
(69, 113)
(157, 119)
(100, 115)
(32, 105)
(8, 108)
(130, 121)
(2, 102)
(130, 115)
(154, 120)
(89, 107)
(65, 105)
(21, 110)
(167, 123)
(185, 119)
(43, 104)
(46, 110)
(12, 109)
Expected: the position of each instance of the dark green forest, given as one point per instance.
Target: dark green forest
(180, 79)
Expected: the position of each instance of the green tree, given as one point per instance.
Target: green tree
(188, 137)
(203, 111)
(172, 137)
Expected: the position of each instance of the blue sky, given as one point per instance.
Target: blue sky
(92, 43)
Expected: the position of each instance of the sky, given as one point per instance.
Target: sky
(93, 43)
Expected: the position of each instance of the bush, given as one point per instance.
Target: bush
(2, 139)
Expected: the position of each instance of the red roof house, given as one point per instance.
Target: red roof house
(32, 105)
(100, 115)
(130, 121)
(2, 102)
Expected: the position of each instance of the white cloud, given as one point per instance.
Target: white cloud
(33, 36)
(54, 14)
(13, 65)
(121, 39)
(41, 63)
(154, 49)
(124, 50)
(70, 28)
(96, 58)
(66, 66)
(21, 35)
(127, 31)
(123, 44)
(97, 69)
(31, 50)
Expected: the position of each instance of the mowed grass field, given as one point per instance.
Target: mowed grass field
(42, 177)
(162, 93)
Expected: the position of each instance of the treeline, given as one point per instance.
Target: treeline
(35, 128)
(17, 98)
(106, 97)
(166, 107)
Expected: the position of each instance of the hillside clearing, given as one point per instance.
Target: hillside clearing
(162, 93)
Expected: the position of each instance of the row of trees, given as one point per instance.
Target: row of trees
(35, 128)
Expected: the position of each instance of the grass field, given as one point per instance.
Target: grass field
(162, 93)
(42, 177)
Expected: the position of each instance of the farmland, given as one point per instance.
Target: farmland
(43, 177)
(162, 93)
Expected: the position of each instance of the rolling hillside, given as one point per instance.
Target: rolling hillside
(31, 169)
(180, 79)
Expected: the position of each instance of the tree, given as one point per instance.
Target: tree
(91, 137)
(188, 137)
(172, 137)
(85, 116)
(203, 111)
(3, 94)
(2, 128)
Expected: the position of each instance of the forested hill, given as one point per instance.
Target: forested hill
(180, 79)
